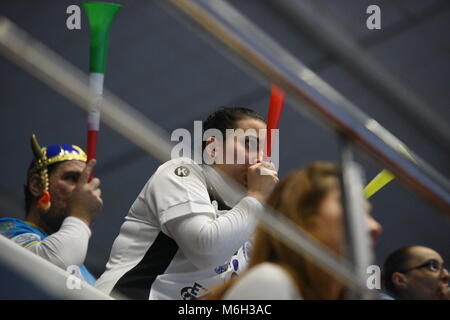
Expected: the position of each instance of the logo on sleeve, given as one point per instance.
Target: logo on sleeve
(182, 171)
(6, 226)
(25, 238)
(223, 268)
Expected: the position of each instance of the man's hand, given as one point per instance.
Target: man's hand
(261, 179)
(85, 202)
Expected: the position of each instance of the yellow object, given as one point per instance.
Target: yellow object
(384, 177)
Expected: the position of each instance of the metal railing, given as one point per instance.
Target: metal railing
(45, 275)
(268, 62)
(262, 57)
(61, 76)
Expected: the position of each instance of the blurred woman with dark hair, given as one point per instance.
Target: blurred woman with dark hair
(311, 199)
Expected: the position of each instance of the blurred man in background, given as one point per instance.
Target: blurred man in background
(61, 205)
(416, 273)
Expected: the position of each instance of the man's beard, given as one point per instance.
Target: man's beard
(54, 219)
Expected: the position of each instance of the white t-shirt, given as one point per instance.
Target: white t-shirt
(176, 242)
(266, 281)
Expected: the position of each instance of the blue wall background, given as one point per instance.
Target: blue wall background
(171, 75)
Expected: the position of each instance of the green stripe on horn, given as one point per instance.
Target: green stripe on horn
(100, 16)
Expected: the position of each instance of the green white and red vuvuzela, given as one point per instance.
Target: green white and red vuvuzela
(100, 16)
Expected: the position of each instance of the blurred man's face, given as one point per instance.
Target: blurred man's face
(430, 281)
(250, 147)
